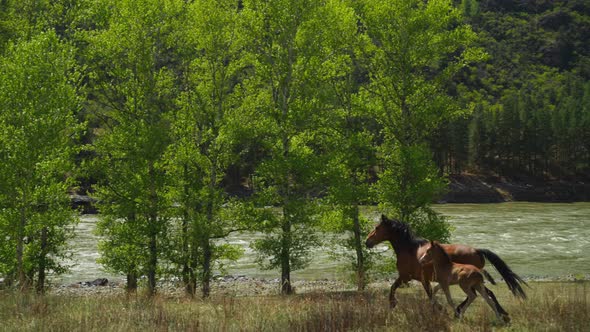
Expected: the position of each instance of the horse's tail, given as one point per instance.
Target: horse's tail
(488, 276)
(512, 279)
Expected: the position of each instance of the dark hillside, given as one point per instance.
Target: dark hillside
(530, 99)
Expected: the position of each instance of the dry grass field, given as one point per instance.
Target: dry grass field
(551, 306)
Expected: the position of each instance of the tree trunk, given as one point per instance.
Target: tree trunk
(153, 236)
(186, 252)
(286, 228)
(286, 287)
(190, 291)
(193, 263)
(207, 251)
(20, 244)
(42, 262)
(131, 282)
(281, 96)
(131, 274)
(206, 282)
(186, 270)
(152, 264)
(358, 245)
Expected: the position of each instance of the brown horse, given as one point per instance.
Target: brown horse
(467, 276)
(409, 248)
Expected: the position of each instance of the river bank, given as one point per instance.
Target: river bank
(463, 188)
(477, 188)
(241, 285)
(228, 285)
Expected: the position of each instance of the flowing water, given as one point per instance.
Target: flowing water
(537, 240)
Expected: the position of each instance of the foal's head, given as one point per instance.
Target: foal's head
(390, 230)
(434, 253)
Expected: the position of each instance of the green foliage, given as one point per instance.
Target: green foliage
(470, 8)
(418, 47)
(431, 225)
(38, 128)
(270, 249)
(408, 187)
(410, 183)
(348, 144)
(365, 265)
(123, 249)
(133, 81)
(203, 138)
(531, 129)
(289, 48)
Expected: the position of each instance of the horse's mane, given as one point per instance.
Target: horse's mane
(406, 235)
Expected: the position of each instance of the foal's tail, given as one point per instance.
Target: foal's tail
(512, 279)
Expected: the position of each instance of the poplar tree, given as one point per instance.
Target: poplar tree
(418, 47)
(38, 128)
(134, 84)
(349, 139)
(203, 137)
(288, 53)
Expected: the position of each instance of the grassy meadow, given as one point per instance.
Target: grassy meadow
(552, 306)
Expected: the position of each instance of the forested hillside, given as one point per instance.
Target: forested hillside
(530, 99)
(190, 120)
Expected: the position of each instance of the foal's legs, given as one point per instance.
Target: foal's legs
(447, 292)
(471, 295)
(500, 309)
(462, 304)
(492, 296)
(434, 290)
(482, 290)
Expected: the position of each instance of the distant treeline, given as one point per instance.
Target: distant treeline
(530, 99)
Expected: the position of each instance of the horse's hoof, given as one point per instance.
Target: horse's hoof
(506, 319)
(392, 305)
(458, 314)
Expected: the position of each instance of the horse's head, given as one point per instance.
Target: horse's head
(385, 230)
(433, 251)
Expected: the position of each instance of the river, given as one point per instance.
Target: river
(538, 240)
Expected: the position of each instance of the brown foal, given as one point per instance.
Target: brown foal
(469, 277)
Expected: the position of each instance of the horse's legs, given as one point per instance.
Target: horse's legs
(482, 290)
(427, 288)
(462, 304)
(493, 297)
(471, 295)
(392, 299)
(435, 289)
(429, 292)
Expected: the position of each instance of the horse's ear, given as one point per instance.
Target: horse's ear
(384, 218)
